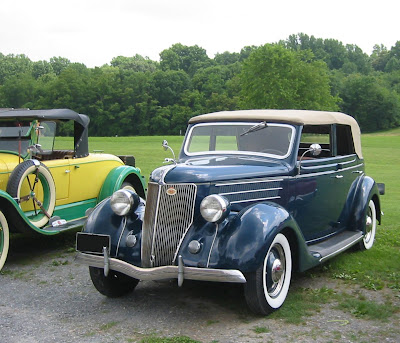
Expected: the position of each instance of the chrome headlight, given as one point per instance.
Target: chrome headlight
(214, 208)
(123, 202)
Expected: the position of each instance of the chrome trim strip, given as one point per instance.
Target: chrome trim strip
(337, 252)
(251, 200)
(253, 191)
(120, 236)
(212, 244)
(327, 172)
(247, 182)
(347, 162)
(165, 272)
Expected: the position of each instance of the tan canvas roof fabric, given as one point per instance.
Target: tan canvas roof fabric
(299, 117)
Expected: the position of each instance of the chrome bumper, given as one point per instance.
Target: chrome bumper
(166, 272)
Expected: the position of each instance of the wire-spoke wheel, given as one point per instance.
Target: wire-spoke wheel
(32, 186)
(370, 227)
(4, 239)
(267, 288)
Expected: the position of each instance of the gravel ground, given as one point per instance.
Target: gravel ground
(45, 296)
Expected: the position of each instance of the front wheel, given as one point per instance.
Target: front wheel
(266, 289)
(4, 239)
(370, 227)
(113, 285)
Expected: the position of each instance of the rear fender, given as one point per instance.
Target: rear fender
(367, 190)
(117, 176)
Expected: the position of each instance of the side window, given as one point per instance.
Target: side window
(320, 134)
(344, 140)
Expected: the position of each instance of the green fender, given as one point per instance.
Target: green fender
(117, 176)
(15, 217)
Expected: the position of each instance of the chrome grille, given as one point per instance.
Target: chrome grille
(166, 220)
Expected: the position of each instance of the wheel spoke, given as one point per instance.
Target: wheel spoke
(39, 203)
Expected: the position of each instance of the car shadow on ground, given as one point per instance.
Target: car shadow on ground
(25, 247)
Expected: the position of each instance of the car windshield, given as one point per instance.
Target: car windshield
(272, 139)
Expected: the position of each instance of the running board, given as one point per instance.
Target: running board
(335, 245)
(67, 226)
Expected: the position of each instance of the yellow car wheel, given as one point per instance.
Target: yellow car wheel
(32, 186)
(4, 239)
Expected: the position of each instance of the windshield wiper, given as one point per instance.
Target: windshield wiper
(254, 128)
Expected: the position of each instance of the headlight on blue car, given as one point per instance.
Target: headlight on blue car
(215, 208)
(124, 201)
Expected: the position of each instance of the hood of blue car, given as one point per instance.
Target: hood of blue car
(215, 169)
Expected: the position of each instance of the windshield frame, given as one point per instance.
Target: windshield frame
(238, 152)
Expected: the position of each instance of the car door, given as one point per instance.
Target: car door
(323, 183)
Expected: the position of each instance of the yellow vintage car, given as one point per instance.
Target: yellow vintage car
(47, 190)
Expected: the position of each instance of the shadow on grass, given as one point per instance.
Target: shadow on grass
(26, 247)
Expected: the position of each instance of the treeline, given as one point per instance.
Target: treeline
(138, 96)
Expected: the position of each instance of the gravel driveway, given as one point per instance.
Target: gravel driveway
(45, 296)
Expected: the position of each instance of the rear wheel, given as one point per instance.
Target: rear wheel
(266, 289)
(113, 285)
(370, 227)
(4, 239)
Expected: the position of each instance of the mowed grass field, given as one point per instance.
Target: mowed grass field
(377, 268)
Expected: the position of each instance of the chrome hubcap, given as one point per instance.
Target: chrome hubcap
(368, 227)
(275, 272)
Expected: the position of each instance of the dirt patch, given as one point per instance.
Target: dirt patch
(45, 296)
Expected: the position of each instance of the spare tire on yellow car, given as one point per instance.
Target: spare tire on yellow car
(32, 186)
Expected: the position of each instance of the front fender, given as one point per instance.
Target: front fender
(16, 218)
(367, 190)
(243, 243)
(117, 176)
(104, 221)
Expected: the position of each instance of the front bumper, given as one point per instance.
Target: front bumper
(166, 272)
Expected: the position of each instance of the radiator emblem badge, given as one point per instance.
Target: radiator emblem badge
(171, 191)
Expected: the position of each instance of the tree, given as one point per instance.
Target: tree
(186, 58)
(374, 106)
(379, 57)
(136, 63)
(275, 77)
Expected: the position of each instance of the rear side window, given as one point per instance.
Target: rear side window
(344, 140)
(335, 140)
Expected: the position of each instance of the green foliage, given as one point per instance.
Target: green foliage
(137, 96)
(374, 106)
(275, 77)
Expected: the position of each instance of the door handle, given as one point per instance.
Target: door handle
(67, 171)
(338, 176)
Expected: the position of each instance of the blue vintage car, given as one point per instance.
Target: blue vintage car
(253, 196)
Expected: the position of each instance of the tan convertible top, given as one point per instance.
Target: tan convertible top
(298, 117)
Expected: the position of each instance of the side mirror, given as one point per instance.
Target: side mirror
(165, 144)
(315, 149)
(167, 147)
